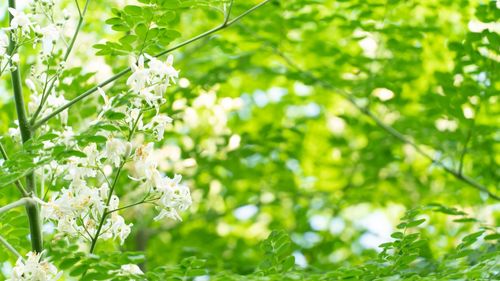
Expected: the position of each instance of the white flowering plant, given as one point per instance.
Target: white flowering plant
(166, 139)
(70, 168)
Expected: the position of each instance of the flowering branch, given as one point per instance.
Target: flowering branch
(227, 23)
(110, 194)
(26, 134)
(46, 91)
(391, 130)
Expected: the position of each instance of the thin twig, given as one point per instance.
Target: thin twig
(65, 58)
(21, 202)
(144, 201)
(228, 12)
(128, 69)
(467, 141)
(10, 247)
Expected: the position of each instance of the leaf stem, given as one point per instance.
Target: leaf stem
(87, 93)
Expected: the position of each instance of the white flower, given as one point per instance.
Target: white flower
(30, 85)
(34, 269)
(48, 144)
(20, 20)
(175, 197)
(152, 81)
(128, 269)
(145, 166)
(50, 35)
(15, 58)
(107, 101)
(115, 150)
(158, 124)
(120, 228)
(93, 155)
(4, 43)
(140, 75)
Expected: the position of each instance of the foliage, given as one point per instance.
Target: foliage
(316, 139)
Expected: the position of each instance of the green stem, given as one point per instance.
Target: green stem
(115, 180)
(9, 247)
(26, 134)
(20, 202)
(65, 58)
(90, 91)
(105, 214)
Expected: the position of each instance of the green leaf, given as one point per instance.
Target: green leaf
(415, 223)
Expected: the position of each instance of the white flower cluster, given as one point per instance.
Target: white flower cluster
(152, 81)
(173, 197)
(78, 209)
(34, 268)
(40, 25)
(44, 27)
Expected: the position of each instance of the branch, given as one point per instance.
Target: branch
(228, 12)
(467, 141)
(112, 188)
(224, 25)
(15, 204)
(9, 247)
(144, 201)
(391, 130)
(26, 134)
(65, 58)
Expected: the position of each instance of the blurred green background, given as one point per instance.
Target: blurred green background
(266, 139)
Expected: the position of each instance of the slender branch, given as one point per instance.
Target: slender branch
(144, 201)
(110, 194)
(391, 130)
(65, 58)
(127, 70)
(26, 134)
(467, 141)
(103, 218)
(18, 184)
(9, 247)
(228, 12)
(21, 202)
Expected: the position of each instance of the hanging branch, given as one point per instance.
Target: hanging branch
(389, 129)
